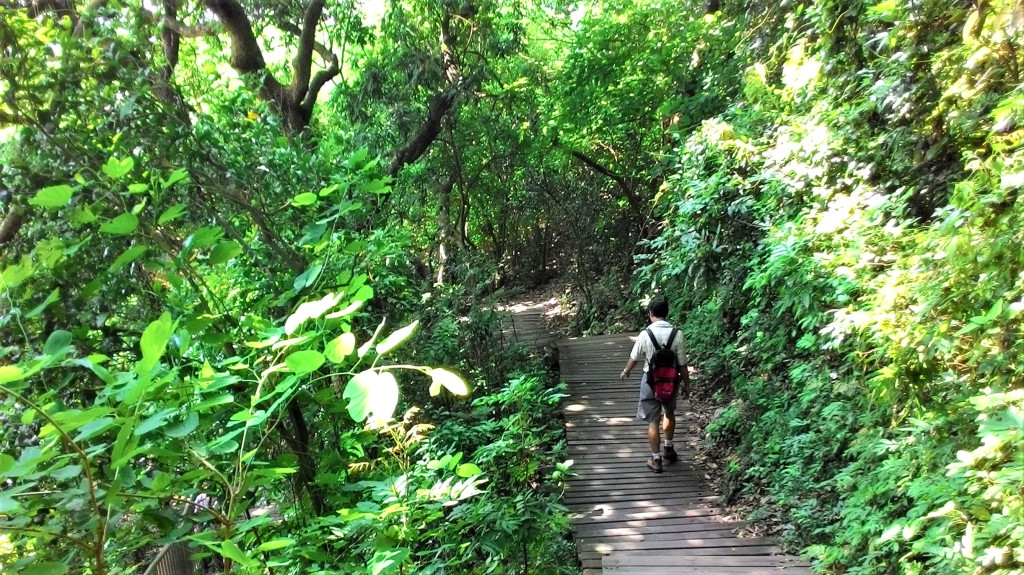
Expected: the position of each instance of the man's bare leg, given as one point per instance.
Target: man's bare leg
(668, 424)
(654, 437)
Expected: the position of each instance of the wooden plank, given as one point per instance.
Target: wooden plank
(678, 556)
(656, 526)
(685, 570)
(627, 559)
(672, 545)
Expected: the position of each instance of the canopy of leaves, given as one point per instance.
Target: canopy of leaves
(249, 251)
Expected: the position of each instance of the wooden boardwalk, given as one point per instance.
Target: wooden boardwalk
(627, 519)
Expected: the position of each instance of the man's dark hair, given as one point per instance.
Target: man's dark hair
(658, 307)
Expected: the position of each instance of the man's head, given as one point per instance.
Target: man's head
(658, 308)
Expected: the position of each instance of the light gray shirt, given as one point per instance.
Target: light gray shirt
(643, 349)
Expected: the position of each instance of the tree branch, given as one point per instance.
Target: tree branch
(303, 61)
(246, 56)
(440, 104)
(624, 185)
(593, 165)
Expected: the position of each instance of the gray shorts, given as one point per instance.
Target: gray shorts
(650, 409)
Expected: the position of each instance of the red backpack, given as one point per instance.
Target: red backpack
(663, 373)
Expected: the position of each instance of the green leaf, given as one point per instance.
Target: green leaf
(304, 199)
(175, 177)
(39, 309)
(389, 561)
(154, 342)
(125, 443)
(308, 277)
(468, 470)
(170, 214)
(125, 223)
(203, 238)
(82, 215)
(214, 402)
(154, 421)
(377, 186)
(396, 338)
(328, 190)
(224, 251)
(183, 428)
(340, 347)
(117, 169)
(364, 293)
(305, 361)
(52, 197)
(372, 395)
(72, 419)
(231, 551)
(137, 188)
(9, 373)
(310, 310)
(275, 544)
(69, 472)
(449, 380)
(94, 428)
(45, 568)
(58, 344)
(131, 254)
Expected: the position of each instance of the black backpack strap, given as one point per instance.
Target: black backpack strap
(671, 336)
(650, 334)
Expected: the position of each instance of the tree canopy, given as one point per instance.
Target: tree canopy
(250, 254)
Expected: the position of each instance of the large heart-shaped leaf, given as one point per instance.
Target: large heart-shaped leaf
(52, 197)
(116, 169)
(340, 347)
(372, 395)
(304, 361)
(125, 223)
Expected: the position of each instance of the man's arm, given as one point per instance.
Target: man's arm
(627, 369)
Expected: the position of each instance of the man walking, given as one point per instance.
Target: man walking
(659, 416)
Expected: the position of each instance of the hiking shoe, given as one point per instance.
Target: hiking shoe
(654, 465)
(669, 454)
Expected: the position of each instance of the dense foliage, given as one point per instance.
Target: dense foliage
(220, 218)
(842, 242)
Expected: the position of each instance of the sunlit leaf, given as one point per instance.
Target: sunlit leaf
(52, 197)
(449, 380)
(116, 169)
(275, 544)
(154, 342)
(175, 177)
(230, 550)
(372, 395)
(310, 310)
(304, 199)
(125, 223)
(396, 338)
(340, 347)
(9, 373)
(170, 214)
(468, 470)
